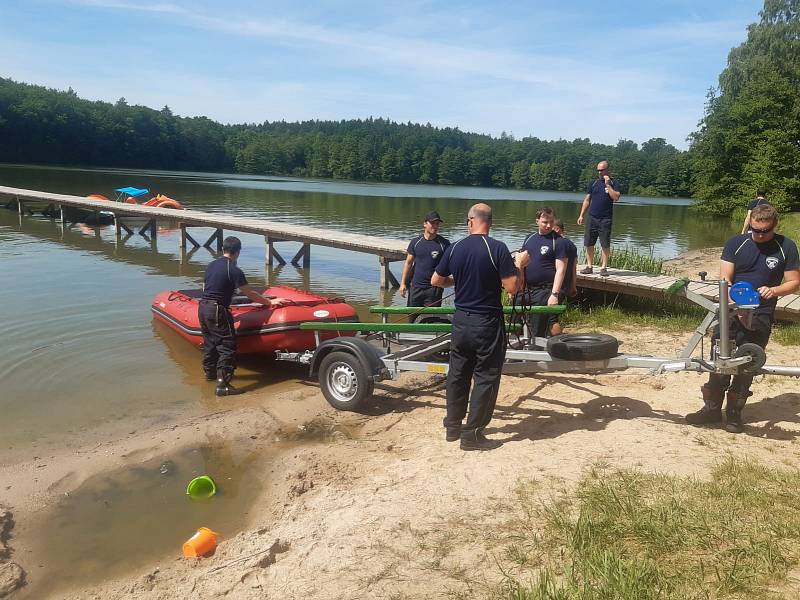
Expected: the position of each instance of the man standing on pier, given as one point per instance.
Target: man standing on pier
(222, 278)
(479, 267)
(601, 195)
(761, 198)
(770, 263)
(424, 253)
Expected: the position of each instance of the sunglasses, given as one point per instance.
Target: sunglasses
(765, 230)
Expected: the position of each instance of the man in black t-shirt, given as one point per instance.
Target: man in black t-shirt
(761, 198)
(479, 267)
(601, 195)
(770, 263)
(424, 253)
(221, 280)
(546, 272)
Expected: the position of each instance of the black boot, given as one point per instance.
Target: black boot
(712, 407)
(453, 434)
(224, 387)
(733, 411)
(475, 440)
(210, 376)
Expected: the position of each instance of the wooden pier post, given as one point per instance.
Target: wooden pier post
(388, 279)
(305, 254)
(185, 236)
(272, 254)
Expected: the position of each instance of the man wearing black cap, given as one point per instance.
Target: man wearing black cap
(424, 253)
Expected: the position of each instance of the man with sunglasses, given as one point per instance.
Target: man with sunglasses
(479, 267)
(601, 195)
(768, 261)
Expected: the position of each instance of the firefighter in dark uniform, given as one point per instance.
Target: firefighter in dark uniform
(222, 278)
(478, 266)
(424, 253)
(769, 262)
(547, 271)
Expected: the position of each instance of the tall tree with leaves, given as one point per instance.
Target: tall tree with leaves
(750, 135)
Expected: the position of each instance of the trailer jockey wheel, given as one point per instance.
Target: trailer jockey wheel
(343, 381)
(758, 358)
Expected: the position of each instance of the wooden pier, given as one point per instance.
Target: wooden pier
(386, 250)
(647, 285)
(618, 281)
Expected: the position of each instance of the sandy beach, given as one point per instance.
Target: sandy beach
(358, 505)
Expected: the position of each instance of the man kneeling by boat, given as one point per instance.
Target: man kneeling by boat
(222, 279)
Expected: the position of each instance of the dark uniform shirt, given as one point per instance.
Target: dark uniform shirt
(477, 263)
(427, 254)
(543, 251)
(221, 280)
(602, 206)
(761, 264)
(756, 202)
(572, 257)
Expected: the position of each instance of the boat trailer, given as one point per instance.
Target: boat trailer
(348, 366)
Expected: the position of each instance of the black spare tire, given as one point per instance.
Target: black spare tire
(583, 346)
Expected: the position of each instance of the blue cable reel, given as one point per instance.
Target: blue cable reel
(747, 299)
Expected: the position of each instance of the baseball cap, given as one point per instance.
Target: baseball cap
(433, 216)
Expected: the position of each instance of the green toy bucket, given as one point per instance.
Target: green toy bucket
(201, 488)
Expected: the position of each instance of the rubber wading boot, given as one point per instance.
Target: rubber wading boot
(210, 376)
(475, 440)
(224, 387)
(453, 434)
(733, 411)
(712, 407)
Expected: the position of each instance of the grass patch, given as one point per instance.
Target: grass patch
(789, 225)
(787, 334)
(632, 259)
(598, 310)
(628, 535)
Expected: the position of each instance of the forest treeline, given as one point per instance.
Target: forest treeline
(40, 125)
(747, 139)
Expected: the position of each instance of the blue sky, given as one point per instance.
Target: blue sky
(606, 71)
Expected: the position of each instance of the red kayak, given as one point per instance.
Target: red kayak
(258, 329)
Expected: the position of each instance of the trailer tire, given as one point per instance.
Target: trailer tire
(344, 381)
(756, 353)
(583, 346)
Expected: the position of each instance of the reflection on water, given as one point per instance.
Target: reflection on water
(78, 354)
(125, 520)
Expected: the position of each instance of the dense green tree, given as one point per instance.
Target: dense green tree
(749, 135)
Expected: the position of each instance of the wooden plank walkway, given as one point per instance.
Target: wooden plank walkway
(634, 283)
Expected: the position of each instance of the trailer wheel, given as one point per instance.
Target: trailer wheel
(582, 346)
(344, 381)
(756, 353)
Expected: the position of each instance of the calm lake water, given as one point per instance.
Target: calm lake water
(79, 353)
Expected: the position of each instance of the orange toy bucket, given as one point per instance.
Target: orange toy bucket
(202, 543)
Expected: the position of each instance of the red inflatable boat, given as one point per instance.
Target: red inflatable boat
(258, 329)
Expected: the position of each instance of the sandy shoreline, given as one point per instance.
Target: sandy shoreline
(358, 505)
